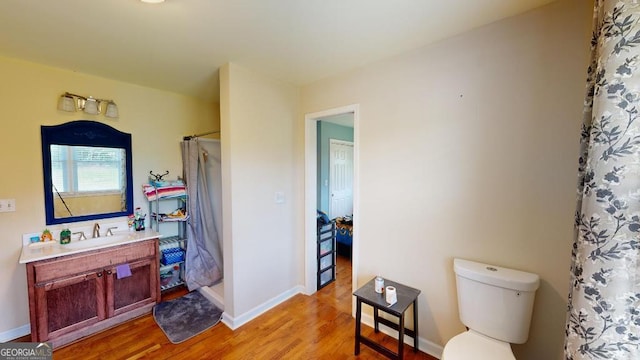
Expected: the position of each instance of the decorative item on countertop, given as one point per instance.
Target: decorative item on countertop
(391, 296)
(131, 220)
(45, 239)
(139, 223)
(65, 236)
(46, 236)
(379, 284)
(139, 220)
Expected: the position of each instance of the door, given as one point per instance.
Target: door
(131, 292)
(340, 178)
(65, 305)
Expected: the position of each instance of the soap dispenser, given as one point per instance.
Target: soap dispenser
(65, 236)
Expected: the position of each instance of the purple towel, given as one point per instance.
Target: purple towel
(123, 271)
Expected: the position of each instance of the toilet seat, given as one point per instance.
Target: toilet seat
(473, 345)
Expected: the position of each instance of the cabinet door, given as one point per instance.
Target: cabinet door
(68, 304)
(131, 292)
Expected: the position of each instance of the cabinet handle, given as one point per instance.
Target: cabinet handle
(109, 272)
(99, 274)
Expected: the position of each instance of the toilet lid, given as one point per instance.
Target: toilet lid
(471, 345)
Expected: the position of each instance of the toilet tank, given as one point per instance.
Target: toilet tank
(495, 301)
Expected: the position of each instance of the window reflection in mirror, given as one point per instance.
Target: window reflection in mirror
(87, 180)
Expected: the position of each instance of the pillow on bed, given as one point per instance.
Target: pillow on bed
(322, 218)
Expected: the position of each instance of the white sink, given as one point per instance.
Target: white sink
(53, 249)
(98, 242)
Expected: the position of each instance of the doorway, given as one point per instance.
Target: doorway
(311, 191)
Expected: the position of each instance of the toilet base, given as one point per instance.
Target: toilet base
(473, 345)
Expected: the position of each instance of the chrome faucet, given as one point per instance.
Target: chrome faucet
(96, 230)
(82, 236)
(110, 231)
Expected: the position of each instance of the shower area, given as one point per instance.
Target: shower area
(202, 172)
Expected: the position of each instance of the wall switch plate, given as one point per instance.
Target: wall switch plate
(7, 205)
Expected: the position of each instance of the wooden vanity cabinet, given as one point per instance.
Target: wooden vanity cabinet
(137, 290)
(77, 295)
(66, 305)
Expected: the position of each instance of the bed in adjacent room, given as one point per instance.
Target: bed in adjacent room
(344, 235)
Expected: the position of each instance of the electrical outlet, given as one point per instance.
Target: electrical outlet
(7, 205)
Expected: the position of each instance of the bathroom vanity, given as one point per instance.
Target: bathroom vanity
(77, 290)
(88, 285)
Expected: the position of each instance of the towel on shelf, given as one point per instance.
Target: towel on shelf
(155, 193)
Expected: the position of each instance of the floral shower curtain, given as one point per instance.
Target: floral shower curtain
(603, 319)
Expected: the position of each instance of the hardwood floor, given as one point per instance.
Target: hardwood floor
(303, 327)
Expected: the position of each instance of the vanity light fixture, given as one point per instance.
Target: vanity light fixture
(152, 1)
(67, 103)
(90, 105)
(111, 110)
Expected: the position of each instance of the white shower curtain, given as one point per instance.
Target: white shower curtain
(203, 264)
(603, 320)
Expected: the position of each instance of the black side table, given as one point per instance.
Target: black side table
(406, 296)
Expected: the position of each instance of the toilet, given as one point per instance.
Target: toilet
(495, 304)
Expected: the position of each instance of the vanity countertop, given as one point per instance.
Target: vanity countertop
(38, 251)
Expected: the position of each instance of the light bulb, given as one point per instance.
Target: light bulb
(91, 106)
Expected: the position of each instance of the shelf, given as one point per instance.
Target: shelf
(172, 285)
(161, 220)
(325, 279)
(326, 268)
(171, 275)
(159, 200)
(170, 197)
(326, 254)
(171, 239)
(168, 266)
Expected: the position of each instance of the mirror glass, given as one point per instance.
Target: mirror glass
(87, 172)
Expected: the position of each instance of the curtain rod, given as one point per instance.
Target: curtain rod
(199, 135)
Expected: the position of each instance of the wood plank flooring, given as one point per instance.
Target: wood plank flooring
(303, 327)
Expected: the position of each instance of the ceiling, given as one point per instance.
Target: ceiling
(179, 45)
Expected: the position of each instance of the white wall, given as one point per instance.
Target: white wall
(29, 94)
(468, 149)
(263, 257)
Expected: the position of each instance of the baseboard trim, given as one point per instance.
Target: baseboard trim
(13, 334)
(425, 345)
(235, 322)
(212, 296)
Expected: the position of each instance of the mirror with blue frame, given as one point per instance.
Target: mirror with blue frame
(87, 169)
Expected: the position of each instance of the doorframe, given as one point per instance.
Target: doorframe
(331, 170)
(311, 188)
